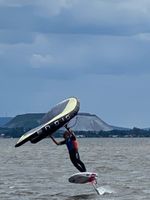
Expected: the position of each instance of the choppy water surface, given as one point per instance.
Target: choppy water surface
(41, 171)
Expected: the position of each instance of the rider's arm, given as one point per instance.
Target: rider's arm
(57, 143)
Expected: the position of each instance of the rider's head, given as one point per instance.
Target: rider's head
(66, 134)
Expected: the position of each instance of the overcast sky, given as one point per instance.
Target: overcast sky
(98, 51)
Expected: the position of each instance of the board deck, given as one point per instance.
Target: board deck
(83, 177)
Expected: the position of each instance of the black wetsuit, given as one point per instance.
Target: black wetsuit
(72, 146)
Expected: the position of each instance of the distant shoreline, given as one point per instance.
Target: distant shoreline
(131, 133)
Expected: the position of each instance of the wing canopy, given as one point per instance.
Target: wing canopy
(57, 117)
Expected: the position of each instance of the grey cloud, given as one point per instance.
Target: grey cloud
(80, 44)
(55, 56)
(101, 17)
(87, 54)
(92, 49)
(77, 17)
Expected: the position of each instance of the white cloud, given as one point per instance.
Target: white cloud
(38, 60)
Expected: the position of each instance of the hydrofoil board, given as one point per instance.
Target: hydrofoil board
(83, 177)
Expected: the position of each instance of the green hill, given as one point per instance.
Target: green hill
(26, 121)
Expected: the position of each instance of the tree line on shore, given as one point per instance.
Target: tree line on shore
(135, 132)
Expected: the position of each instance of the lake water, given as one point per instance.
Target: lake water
(41, 171)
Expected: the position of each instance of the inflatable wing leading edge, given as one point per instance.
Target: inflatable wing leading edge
(57, 117)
